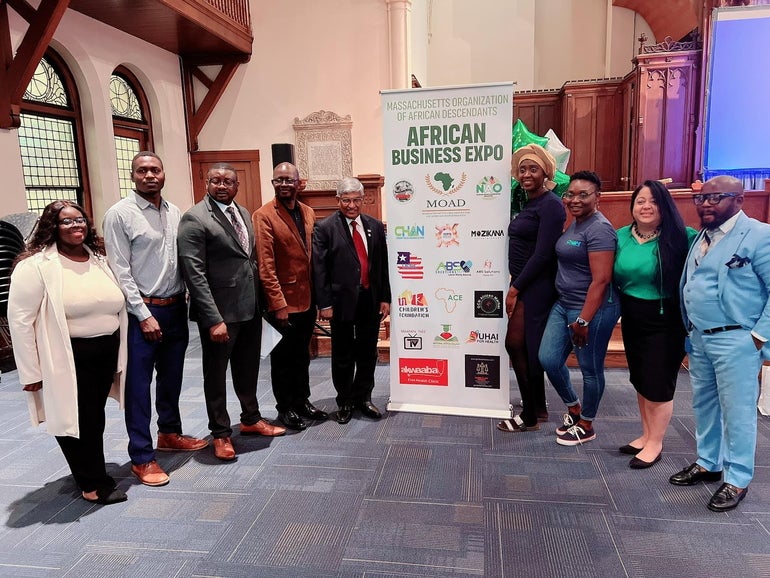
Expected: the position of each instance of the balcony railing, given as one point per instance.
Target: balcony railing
(238, 10)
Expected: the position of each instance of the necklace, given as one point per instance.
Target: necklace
(645, 236)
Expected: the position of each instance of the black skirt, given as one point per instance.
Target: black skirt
(654, 344)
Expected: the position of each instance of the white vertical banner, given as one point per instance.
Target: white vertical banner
(447, 181)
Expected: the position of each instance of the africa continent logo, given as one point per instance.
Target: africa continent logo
(446, 181)
(449, 297)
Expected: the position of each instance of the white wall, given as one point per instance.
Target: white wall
(307, 56)
(92, 51)
(310, 55)
(477, 41)
(420, 41)
(540, 44)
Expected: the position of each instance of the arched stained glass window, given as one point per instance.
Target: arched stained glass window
(131, 123)
(123, 99)
(50, 137)
(46, 86)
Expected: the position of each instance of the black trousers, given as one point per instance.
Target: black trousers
(95, 361)
(354, 352)
(242, 353)
(290, 361)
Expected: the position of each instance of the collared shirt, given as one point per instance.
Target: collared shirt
(716, 235)
(141, 248)
(361, 230)
(224, 208)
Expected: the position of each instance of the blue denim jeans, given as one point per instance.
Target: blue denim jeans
(557, 345)
(166, 359)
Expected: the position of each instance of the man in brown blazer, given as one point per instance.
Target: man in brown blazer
(284, 227)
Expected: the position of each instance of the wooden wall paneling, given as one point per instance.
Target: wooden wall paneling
(592, 128)
(668, 102)
(628, 123)
(615, 206)
(609, 138)
(540, 111)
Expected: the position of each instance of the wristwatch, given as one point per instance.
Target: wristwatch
(581, 322)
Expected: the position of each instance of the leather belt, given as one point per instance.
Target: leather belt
(163, 301)
(720, 329)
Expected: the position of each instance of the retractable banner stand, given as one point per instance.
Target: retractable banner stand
(448, 181)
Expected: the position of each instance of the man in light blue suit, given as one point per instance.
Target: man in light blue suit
(724, 296)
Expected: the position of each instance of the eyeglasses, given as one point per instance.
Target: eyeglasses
(582, 196)
(226, 182)
(351, 201)
(711, 198)
(284, 181)
(67, 222)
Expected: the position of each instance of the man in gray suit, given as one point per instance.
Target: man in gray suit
(218, 259)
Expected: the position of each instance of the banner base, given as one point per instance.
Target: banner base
(443, 410)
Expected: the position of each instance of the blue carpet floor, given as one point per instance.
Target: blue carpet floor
(410, 495)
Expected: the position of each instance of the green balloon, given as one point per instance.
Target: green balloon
(562, 183)
(522, 136)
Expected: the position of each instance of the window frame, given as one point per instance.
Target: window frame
(72, 114)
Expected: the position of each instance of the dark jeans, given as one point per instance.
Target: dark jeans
(242, 353)
(166, 357)
(290, 362)
(96, 359)
(354, 352)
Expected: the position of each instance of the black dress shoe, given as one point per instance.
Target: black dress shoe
(344, 413)
(726, 498)
(310, 411)
(629, 450)
(637, 464)
(291, 420)
(370, 410)
(693, 474)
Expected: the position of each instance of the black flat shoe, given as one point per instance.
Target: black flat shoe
(310, 411)
(344, 414)
(291, 420)
(106, 496)
(693, 474)
(629, 450)
(637, 464)
(726, 498)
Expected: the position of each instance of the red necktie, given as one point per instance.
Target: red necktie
(358, 241)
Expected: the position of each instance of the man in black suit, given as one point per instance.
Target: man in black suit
(218, 260)
(350, 272)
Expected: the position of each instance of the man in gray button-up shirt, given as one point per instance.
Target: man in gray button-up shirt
(140, 236)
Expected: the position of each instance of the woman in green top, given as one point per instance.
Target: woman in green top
(648, 264)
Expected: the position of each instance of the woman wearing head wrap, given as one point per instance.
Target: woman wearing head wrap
(532, 265)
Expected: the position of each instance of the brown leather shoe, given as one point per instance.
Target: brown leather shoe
(262, 428)
(223, 449)
(150, 474)
(174, 442)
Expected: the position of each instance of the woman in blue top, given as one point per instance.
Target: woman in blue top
(648, 264)
(586, 312)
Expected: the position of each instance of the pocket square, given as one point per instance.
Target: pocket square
(735, 262)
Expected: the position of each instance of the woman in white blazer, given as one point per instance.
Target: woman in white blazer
(68, 322)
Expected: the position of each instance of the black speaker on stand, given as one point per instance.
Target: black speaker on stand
(282, 153)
